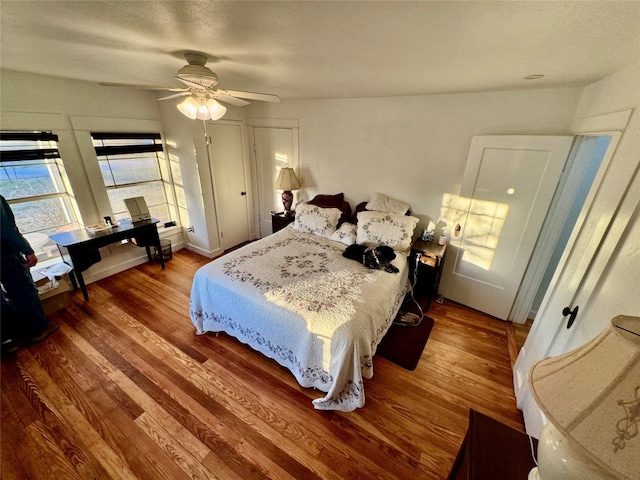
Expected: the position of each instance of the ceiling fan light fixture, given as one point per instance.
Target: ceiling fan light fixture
(189, 107)
(215, 109)
(201, 109)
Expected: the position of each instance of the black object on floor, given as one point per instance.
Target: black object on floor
(9, 346)
(403, 345)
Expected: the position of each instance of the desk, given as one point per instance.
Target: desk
(83, 247)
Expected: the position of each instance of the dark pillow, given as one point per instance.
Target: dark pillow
(334, 201)
(361, 207)
(328, 201)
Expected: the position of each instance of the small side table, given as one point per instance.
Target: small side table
(492, 450)
(426, 264)
(279, 220)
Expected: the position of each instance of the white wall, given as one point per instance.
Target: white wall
(37, 102)
(410, 148)
(26, 92)
(186, 141)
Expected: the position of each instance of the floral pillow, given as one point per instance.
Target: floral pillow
(333, 201)
(345, 234)
(381, 228)
(316, 220)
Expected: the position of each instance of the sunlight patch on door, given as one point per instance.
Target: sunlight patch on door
(482, 222)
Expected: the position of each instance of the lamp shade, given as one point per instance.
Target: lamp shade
(592, 396)
(202, 109)
(287, 180)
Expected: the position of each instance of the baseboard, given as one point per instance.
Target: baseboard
(205, 253)
(512, 344)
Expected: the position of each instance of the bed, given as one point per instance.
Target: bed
(293, 297)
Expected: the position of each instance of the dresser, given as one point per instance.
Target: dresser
(493, 451)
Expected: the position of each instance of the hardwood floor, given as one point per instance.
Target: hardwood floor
(125, 389)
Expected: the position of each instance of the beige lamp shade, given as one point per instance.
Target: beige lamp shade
(592, 396)
(287, 180)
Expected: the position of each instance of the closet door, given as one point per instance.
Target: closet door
(275, 148)
(229, 167)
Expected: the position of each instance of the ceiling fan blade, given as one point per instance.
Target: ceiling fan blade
(238, 102)
(144, 87)
(175, 95)
(263, 97)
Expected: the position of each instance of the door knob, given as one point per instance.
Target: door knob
(572, 315)
(243, 193)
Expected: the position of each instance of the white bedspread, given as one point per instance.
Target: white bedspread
(294, 298)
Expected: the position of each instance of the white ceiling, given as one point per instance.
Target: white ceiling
(318, 49)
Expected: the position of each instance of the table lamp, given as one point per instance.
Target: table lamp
(591, 397)
(287, 181)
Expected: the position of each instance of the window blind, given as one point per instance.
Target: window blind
(21, 146)
(132, 165)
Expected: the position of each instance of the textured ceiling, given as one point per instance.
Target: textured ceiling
(318, 49)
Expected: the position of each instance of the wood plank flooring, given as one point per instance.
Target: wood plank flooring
(126, 390)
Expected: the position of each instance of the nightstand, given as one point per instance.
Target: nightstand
(426, 264)
(279, 220)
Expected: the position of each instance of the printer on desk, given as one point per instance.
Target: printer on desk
(137, 209)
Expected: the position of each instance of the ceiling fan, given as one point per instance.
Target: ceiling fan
(202, 96)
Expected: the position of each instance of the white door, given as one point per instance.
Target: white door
(507, 188)
(598, 273)
(275, 148)
(227, 157)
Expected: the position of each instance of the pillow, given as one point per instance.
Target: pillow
(361, 207)
(381, 228)
(328, 201)
(316, 220)
(333, 201)
(382, 203)
(345, 234)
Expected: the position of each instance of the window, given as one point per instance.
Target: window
(32, 180)
(134, 165)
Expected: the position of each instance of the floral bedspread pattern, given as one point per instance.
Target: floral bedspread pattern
(294, 298)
